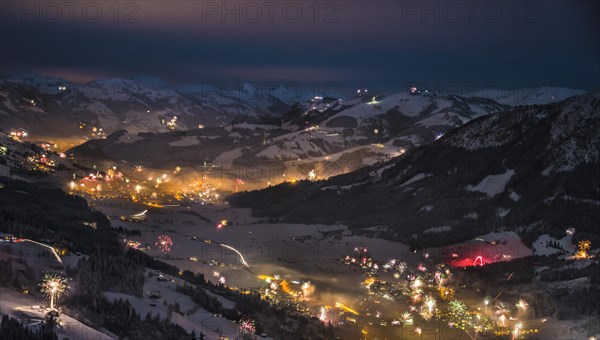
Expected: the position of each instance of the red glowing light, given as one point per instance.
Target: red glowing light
(480, 259)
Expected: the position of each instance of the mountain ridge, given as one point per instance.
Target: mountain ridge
(521, 184)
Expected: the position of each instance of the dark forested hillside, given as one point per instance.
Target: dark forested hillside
(534, 169)
(32, 211)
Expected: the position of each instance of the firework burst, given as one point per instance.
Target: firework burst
(522, 305)
(582, 248)
(247, 326)
(222, 279)
(164, 243)
(402, 267)
(416, 297)
(502, 309)
(407, 318)
(53, 287)
(584, 245)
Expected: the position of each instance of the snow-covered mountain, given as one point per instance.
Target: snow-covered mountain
(48, 106)
(533, 169)
(193, 124)
(54, 106)
(321, 133)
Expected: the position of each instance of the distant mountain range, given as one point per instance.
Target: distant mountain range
(54, 106)
(147, 122)
(44, 105)
(533, 169)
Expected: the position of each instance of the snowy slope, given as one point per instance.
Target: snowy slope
(532, 169)
(19, 306)
(191, 318)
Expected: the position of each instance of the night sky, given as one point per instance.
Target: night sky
(380, 45)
